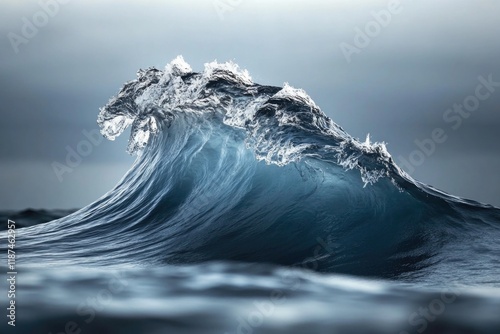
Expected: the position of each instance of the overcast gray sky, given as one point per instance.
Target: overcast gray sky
(426, 58)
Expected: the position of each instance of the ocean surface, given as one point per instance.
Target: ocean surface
(248, 210)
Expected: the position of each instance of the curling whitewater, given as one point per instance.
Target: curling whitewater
(235, 182)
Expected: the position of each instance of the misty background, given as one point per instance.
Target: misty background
(397, 88)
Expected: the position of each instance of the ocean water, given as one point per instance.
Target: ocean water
(248, 210)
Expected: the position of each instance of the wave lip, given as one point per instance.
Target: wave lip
(282, 124)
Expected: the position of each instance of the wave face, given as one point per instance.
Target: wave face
(228, 169)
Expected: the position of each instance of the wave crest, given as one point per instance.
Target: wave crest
(282, 125)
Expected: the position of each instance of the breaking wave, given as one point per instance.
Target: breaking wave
(228, 169)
